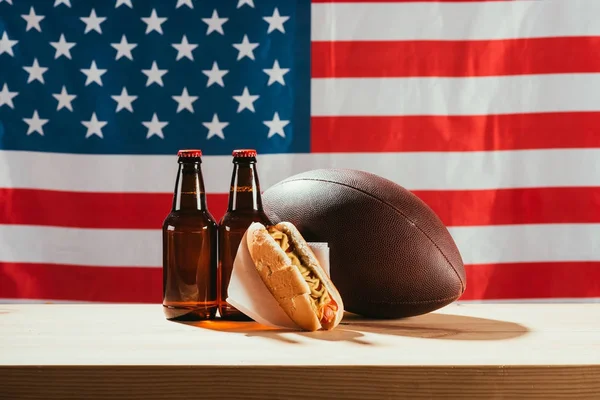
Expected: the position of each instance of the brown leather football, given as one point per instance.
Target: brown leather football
(390, 254)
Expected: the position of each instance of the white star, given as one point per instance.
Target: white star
(184, 49)
(63, 48)
(154, 74)
(64, 99)
(8, 1)
(35, 124)
(276, 21)
(276, 73)
(215, 75)
(248, 2)
(6, 97)
(185, 101)
(246, 100)
(245, 48)
(154, 23)
(65, 2)
(93, 22)
(155, 127)
(215, 127)
(94, 127)
(215, 23)
(276, 126)
(6, 44)
(33, 21)
(124, 48)
(124, 100)
(93, 74)
(35, 71)
(123, 2)
(184, 2)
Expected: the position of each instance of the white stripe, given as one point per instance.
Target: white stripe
(108, 247)
(528, 243)
(415, 171)
(454, 21)
(93, 247)
(455, 96)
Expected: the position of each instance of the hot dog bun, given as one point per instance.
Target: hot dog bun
(290, 275)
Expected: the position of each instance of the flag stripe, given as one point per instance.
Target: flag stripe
(455, 96)
(148, 210)
(453, 20)
(533, 280)
(455, 133)
(576, 280)
(433, 58)
(413, 170)
(118, 247)
(75, 282)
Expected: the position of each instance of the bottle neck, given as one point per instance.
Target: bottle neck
(244, 193)
(189, 188)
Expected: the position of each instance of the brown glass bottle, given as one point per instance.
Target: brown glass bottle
(190, 255)
(245, 207)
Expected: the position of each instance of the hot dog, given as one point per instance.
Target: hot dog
(293, 275)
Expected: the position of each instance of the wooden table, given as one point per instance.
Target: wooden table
(463, 351)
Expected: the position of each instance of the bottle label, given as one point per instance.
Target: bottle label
(243, 189)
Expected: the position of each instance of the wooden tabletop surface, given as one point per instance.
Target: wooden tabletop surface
(461, 351)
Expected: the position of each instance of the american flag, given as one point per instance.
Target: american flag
(487, 110)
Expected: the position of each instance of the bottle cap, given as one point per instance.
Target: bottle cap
(244, 153)
(189, 153)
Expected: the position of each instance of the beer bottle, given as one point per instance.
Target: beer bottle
(245, 207)
(189, 235)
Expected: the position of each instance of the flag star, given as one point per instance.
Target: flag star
(6, 44)
(184, 49)
(154, 23)
(246, 100)
(215, 23)
(245, 2)
(276, 73)
(245, 48)
(124, 48)
(123, 2)
(215, 75)
(154, 74)
(63, 48)
(93, 22)
(276, 126)
(184, 2)
(155, 127)
(65, 2)
(276, 21)
(35, 72)
(93, 74)
(64, 99)
(215, 127)
(8, 1)
(33, 20)
(35, 123)
(124, 100)
(185, 101)
(94, 127)
(6, 97)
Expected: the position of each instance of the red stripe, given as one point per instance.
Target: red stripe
(92, 210)
(455, 133)
(515, 206)
(144, 285)
(147, 211)
(533, 280)
(409, 1)
(74, 282)
(455, 58)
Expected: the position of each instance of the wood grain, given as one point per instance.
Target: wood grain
(474, 351)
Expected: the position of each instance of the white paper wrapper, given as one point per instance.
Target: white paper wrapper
(248, 293)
